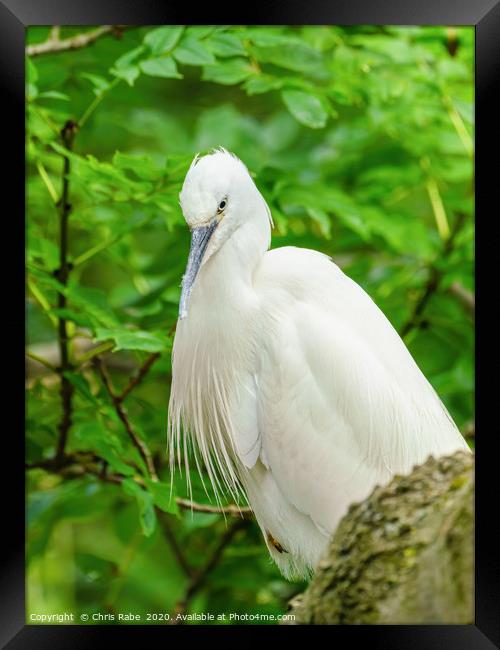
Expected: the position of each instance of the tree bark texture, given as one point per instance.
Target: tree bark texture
(403, 556)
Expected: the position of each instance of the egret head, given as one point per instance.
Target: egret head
(217, 197)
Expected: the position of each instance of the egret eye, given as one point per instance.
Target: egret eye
(222, 205)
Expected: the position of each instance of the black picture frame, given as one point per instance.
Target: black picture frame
(15, 16)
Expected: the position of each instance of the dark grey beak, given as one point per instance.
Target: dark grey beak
(199, 242)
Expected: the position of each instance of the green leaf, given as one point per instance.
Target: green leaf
(133, 340)
(99, 83)
(290, 53)
(161, 496)
(200, 31)
(147, 515)
(127, 59)
(43, 250)
(328, 200)
(31, 92)
(404, 234)
(94, 303)
(31, 71)
(53, 94)
(226, 44)
(230, 72)
(190, 51)
(306, 108)
(322, 219)
(280, 131)
(465, 109)
(161, 67)
(31, 80)
(128, 74)
(163, 39)
(82, 386)
(268, 37)
(262, 83)
(69, 314)
(142, 166)
(126, 66)
(92, 435)
(102, 178)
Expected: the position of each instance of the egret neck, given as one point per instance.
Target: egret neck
(216, 341)
(223, 278)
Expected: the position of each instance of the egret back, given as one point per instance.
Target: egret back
(342, 404)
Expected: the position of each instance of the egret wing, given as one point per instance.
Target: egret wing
(341, 404)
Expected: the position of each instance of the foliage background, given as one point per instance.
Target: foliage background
(360, 139)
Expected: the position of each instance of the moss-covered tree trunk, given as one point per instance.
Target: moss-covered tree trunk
(405, 555)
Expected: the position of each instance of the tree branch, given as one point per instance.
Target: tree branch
(233, 510)
(81, 464)
(433, 281)
(136, 380)
(405, 555)
(40, 360)
(68, 133)
(466, 297)
(138, 443)
(451, 41)
(56, 44)
(198, 580)
(174, 545)
(75, 465)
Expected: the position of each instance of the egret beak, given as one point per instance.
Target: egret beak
(199, 242)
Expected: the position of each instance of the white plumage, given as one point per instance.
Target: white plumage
(287, 378)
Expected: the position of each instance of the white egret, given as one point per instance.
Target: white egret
(287, 379)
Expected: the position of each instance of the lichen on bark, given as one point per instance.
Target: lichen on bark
(404, 555)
